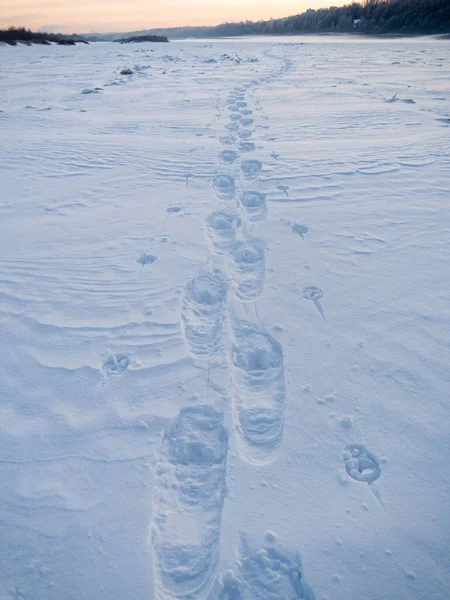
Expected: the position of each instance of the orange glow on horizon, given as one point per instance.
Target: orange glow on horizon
(126, 15)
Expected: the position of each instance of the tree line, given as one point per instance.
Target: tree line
(371, 17)
(14, 35)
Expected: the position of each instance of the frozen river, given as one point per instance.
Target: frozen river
(224, 317)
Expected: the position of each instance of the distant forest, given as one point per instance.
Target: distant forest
(370, 17)
(15, 35)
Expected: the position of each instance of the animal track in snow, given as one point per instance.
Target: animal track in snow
(254, 206)
(190, 488)
(232, 127)
(241, 104)
(246, 112)
(220, 231)
(174, 209)
(116, 364)
(202, 313)
(267, 573)
(300, 229)
(284, 189)
(224, 186)
(311, 292)
(246, 122)
(248, 269)
(228, 157)
(258, 392)
(246, 147)
(235, 117)
(233, 108)
(146, 259)
(360, 464)
(251, 168)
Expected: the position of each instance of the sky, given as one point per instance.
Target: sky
(86, 16)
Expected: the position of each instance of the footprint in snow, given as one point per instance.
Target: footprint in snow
(116, 364)
(253, 205)
(284, 189)
(220, 231)
(245, 134)
(224, 186)
(247, 269)
(228, 157)
(311, 292)
(246, 147)
(202, 313)
(301, 230)
(266, 573)
(228, 140)
(146, 259)
(258, 392)
(251, 169)
(190, 489)
(361, 465)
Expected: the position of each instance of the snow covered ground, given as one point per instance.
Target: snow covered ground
(225, 321)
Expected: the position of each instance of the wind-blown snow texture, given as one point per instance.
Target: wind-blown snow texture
(225, 321)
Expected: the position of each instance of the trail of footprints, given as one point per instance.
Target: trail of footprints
(190, 478)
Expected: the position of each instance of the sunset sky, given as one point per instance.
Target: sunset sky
(123, 15)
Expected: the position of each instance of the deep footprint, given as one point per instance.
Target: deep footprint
(220, 231)
(246, 147)
(258, 392)
(202, 313)
(245, 134)
(254, 206)
(190, 488)
(227, 157)
(248, 269)
(224, 186)
(251, 169)
(228, 140)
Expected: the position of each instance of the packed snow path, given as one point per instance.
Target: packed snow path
(224, 312)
